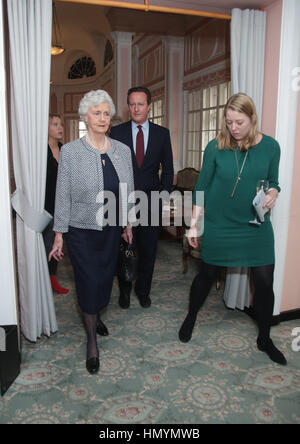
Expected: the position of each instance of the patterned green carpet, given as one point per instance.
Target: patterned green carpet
(146, 375)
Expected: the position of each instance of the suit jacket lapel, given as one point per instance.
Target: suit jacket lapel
(149, 145)
(129, 142)
(128, 135)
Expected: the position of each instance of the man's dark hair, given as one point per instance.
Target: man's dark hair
(139, 89)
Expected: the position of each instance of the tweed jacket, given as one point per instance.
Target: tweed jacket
(80, 181)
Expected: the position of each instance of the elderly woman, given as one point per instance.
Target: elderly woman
(88, 167)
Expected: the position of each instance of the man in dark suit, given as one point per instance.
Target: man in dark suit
(151, 150)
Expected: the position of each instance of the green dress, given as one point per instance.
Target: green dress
(228, 239)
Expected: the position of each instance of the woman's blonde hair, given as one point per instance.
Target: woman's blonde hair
(244, 104)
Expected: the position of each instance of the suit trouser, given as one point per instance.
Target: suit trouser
(145, 240)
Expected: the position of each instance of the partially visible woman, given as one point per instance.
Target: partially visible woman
(232, 166)
(88, 166)
(55, 135)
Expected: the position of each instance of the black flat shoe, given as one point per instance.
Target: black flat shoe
(186, 330)
(274, 354)
(185, 333)
(145, 301)
(124, 301)
(101, 328)
(92, 365)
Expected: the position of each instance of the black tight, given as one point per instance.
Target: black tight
(90, 323)
(263, 301)
(201, 286)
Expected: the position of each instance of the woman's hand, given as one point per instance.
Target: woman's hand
(193, 232)
(192, 237)
(56, 251)
(127, 235)
(271, 197)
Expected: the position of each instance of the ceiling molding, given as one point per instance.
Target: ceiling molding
(148, 7)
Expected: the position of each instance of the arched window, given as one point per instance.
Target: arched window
(83, 67)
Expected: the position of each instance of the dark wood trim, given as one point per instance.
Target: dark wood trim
(289, 315)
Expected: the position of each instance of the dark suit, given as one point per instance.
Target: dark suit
(51, 177)
(146, 178)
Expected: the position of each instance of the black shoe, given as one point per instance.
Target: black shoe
(274, 354)
(92, 365)
(101, 328)
(186, 330)
(124, 301)
(145, 301)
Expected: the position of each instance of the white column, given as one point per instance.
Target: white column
(123, 61)
(135, 66)
(285, 134)
(8, 306)
(174, 50)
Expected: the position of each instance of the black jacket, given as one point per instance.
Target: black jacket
(159, 153)
(52, 167)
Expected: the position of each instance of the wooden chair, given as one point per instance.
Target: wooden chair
(186, 181)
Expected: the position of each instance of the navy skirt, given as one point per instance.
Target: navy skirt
(94, 254)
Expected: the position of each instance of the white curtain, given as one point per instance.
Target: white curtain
(30, 26)
(248, 30)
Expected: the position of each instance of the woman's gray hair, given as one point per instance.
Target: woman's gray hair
(94, 98)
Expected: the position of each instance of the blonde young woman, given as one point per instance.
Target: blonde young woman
(232, 166)
(88, 166)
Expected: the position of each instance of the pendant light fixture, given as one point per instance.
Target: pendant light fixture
(56, 47)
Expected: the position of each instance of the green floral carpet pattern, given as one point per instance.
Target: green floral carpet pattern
(146, 374)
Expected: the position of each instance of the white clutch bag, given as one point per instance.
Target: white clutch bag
(258, 202)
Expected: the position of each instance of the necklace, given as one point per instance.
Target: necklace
(239, 171)
(103, 149)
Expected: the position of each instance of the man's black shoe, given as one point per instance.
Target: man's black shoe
(101, 328)
(145, 301)
(124, 301)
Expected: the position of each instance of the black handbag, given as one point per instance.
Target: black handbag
(127, 262)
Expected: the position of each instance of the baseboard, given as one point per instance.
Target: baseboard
(10, 358)
(289, 315)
